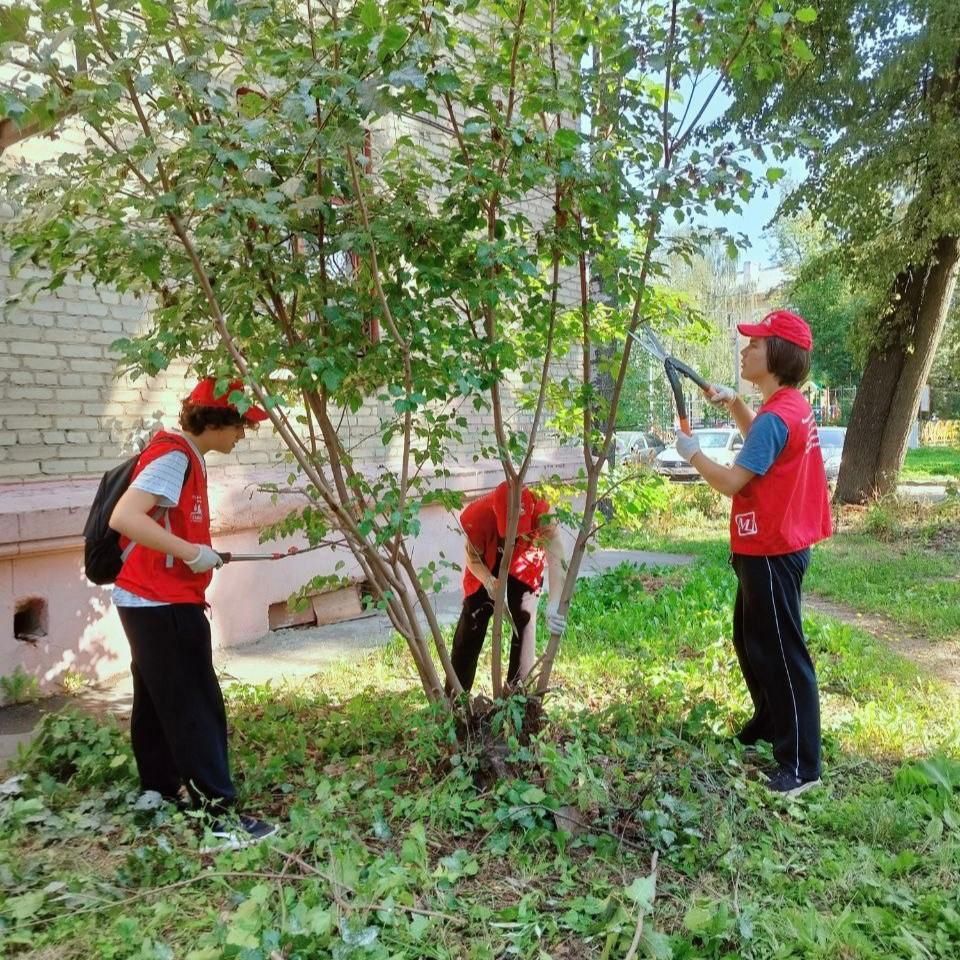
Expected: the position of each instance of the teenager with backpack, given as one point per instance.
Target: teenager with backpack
(780, 509)
(484, 523)
(178, 726)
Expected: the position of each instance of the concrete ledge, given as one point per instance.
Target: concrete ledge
(47, 516)
(41, 562)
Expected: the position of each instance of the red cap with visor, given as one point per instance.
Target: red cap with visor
(204, 395)
(781, 323)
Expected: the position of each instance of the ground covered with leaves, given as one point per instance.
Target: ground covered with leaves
(628, 826)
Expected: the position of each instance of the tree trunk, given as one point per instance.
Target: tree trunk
(889, 392)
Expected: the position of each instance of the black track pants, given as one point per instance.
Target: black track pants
(472, 630)
(773, 655)
(179, 725)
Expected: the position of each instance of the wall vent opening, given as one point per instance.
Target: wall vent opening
(30, 619)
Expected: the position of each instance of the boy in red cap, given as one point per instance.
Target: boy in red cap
(780, 509)
(178, 726)
(485, 524)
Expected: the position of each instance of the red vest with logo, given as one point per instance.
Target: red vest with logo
(153, 575)
(788, 508)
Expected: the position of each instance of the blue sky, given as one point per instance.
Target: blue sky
(758, 212)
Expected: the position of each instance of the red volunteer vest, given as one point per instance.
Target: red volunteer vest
(146, 572)
(787, 509)
(480, 522)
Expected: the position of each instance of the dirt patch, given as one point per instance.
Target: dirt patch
(938, 659)
(486, 726)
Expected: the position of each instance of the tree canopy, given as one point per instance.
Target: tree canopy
(283, 180)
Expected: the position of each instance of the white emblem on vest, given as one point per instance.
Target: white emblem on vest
(746, 524)
(196, 515)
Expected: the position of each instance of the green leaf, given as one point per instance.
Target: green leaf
(319, 921)
(659, 944)
(418, 927)
(156, 13)
(697, 919)
(567, 139)
(24, 907)
(370, 15)
(642, 891)
(799, 48)
(533, 795)
(775, 173)
(806, 15)
(394, 37)
(13, 24)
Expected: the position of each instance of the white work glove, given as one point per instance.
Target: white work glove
(206, 559)
(721, 396)
(556, 622)
(687, 446)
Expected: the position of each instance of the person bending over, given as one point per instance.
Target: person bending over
(484, 524)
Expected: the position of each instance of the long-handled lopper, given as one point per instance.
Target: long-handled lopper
(672, 367)
(234, 557)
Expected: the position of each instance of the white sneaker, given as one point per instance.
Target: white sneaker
(239, 832)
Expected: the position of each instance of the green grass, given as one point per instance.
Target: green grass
(896, 558)
(915, 586)
(375, 792)
(931, 465)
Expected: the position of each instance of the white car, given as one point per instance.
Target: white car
(721, 444)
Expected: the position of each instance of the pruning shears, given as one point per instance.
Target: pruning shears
(673, 367)
(227, 557)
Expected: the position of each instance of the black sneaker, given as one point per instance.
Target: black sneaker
(788, 785)
(238, 832)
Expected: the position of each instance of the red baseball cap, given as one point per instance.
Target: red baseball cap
(781, 323)
(531, 509)
(204, 395)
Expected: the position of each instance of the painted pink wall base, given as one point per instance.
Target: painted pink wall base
(41, 557)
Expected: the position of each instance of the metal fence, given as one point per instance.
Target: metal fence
(831, 406)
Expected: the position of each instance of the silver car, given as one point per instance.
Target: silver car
(831, 446)
(719, 443)
(637, 447)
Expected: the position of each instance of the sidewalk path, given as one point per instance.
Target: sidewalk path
(282, 654)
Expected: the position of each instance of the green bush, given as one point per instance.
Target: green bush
(71, 746)
(19, 687)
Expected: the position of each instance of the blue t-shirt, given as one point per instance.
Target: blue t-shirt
(765, 441)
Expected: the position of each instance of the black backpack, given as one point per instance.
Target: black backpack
(102, 556)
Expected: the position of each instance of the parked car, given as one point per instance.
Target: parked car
(635, 446)
(831, 446)
(719, 443)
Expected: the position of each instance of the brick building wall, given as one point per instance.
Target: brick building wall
(64, 411)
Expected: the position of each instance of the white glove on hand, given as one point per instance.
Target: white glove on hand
(722, 396)
(688, 447)
(206, 559)
(556, 623)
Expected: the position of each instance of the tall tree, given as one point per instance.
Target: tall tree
(826, 295)
(880, 101)
(226, 177)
